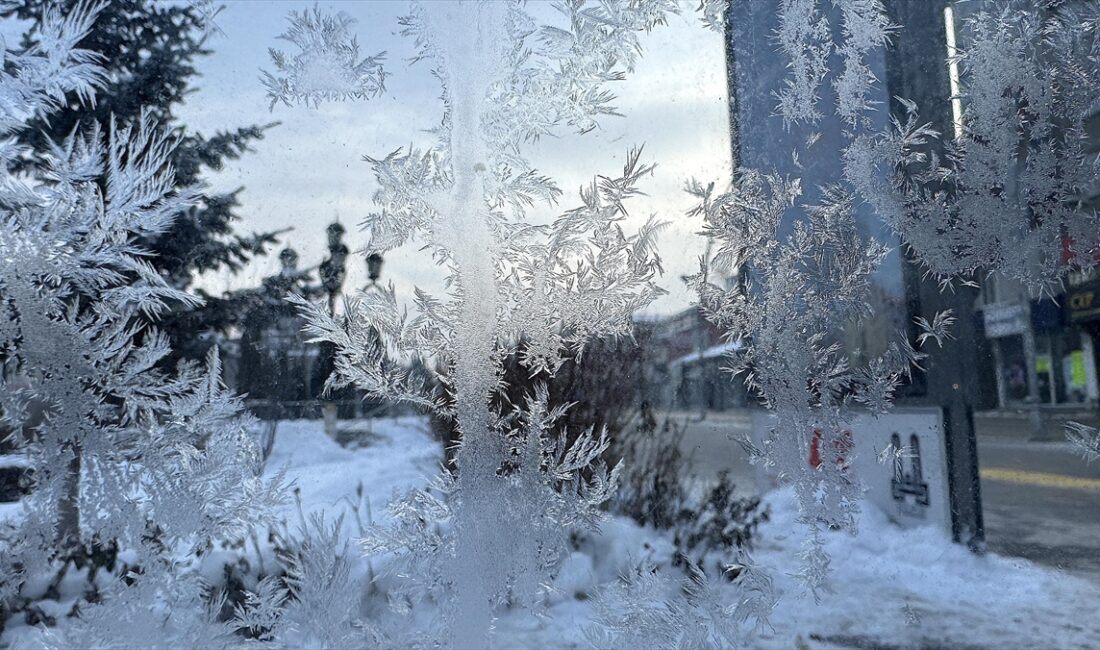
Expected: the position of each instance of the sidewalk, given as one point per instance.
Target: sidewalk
(1015, 422)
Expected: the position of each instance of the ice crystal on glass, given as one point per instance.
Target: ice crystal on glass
(807, 40)
(130, 454)
(793, 294)
(1004, 195)
(1085, 440)
(542, 289)
(327, 66)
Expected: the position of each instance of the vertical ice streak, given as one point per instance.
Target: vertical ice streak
(538, 292)
(470, 37)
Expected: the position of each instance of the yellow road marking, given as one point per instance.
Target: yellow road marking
(1040, 478)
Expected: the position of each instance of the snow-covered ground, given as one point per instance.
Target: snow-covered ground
(914, 588)
(890, 587)
(399, 454)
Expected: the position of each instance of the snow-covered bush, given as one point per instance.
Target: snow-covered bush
(659, 487)
(603, 385)
(716, 526)
(651, 486)
(152, 463)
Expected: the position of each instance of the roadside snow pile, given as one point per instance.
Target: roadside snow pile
(891, 588)
(914, 588)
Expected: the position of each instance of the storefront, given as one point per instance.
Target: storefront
(1081, 309)
(1044, 350)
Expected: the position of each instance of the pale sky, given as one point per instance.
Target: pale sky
(309, 170)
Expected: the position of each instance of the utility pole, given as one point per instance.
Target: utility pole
(918, 68)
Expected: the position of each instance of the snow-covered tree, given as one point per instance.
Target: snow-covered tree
(124, 453)
(150, 52)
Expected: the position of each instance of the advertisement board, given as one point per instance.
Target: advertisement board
(899, 458)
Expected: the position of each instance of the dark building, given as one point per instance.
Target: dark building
(275, 363)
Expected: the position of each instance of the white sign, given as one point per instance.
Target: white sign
(1005, 319)
(900, 459)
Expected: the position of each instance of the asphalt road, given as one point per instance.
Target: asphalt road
(709, 441)
(1041, 502)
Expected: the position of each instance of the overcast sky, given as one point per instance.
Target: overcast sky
(308, 171)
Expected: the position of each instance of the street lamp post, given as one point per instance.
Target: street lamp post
(374, 272)
(374, 267)
(333, 270)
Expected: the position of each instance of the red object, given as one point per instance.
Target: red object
(1067, 250)
(842, 445)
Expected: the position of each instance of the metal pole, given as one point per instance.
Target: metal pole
(917, 67)
(1034, 415)
(999, 373)
(731, 88)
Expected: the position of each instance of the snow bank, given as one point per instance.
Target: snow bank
(914, 588)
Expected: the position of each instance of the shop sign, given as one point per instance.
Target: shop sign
(1077, 374)
(1005, 319)
(1083, 303)
(899, 457)
(1076, 279)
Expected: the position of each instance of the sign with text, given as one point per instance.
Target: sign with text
(1005, 319)
(899, 458)
(1082, 303)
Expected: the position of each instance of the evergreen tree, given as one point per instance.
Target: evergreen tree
(148, 49)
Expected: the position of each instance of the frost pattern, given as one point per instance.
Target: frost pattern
(207, 12)
(327, 67)
(798, 292)
(1085, 439)
(806, 38)
(646, 608)
(713, 14)
(865, 28)
(37, 80)
(156, 462)
(938, 330)
(1005, 196)
(545, 289)
(316, 602)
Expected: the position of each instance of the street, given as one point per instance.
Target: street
(1041, 501)
(710, 442)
